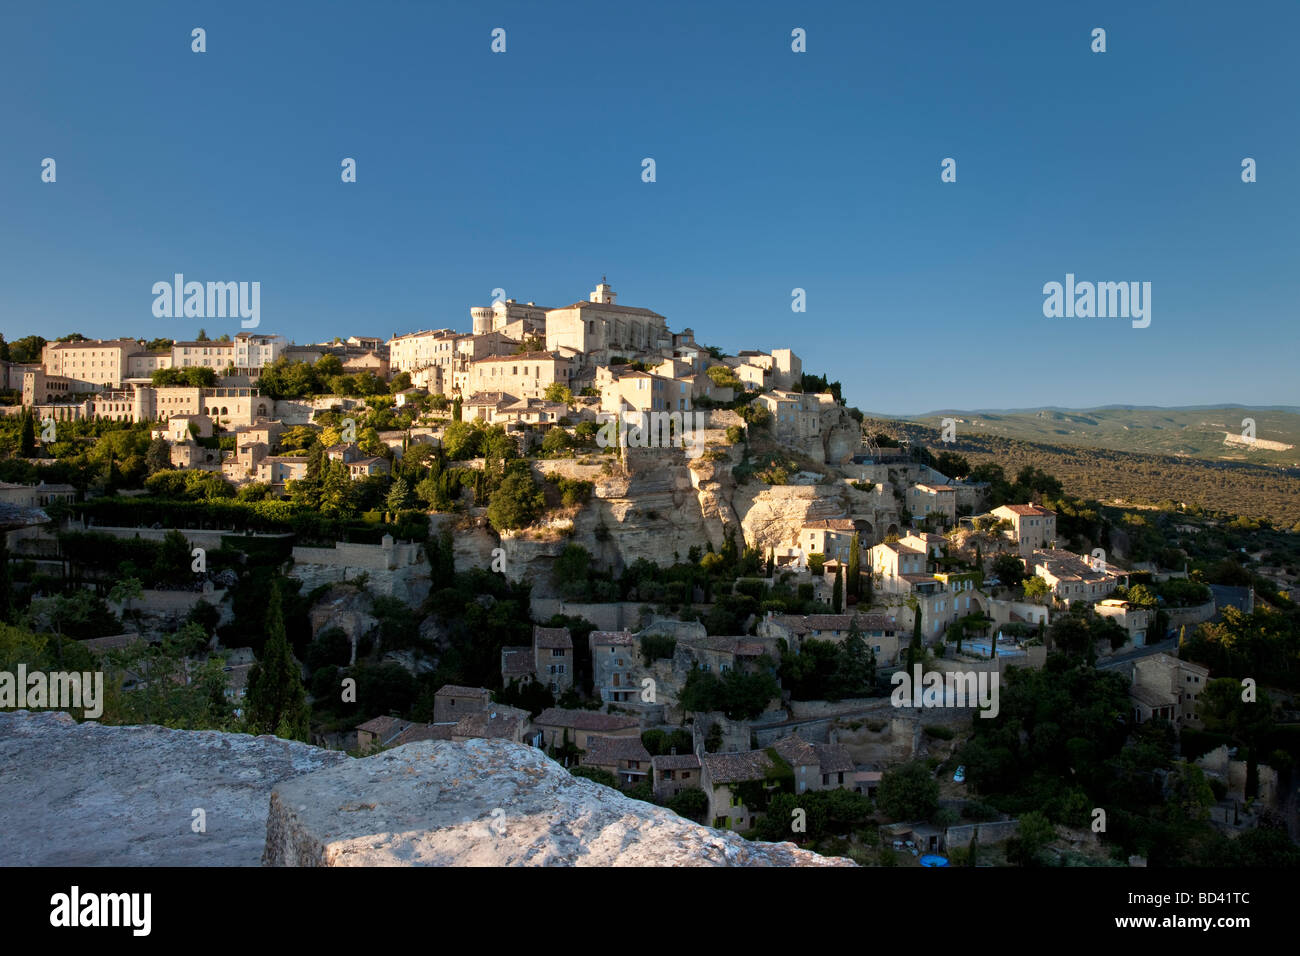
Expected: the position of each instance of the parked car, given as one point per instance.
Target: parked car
(960, 775)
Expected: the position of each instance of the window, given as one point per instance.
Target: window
(557, 652)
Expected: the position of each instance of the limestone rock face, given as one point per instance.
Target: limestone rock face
(88, 795)
(774, 514)
(345, 608)
(488, 803)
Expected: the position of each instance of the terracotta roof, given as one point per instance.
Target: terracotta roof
(522, 357)
(899, 548)
(833, 758)
(381, 726)
(552, 637)
(796, 751)
(487, 398)
(423, 732)
(584, 719)
(608, 307)
(619, 638)
(833, 622)
(455, 690)
(108, 343)
(113, 643)
(505, 723)
(1024, 510)
(603, 751)
(516, 662)
(733, 768)
(675, 762)
(1151, 698)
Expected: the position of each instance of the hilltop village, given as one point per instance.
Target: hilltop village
(697, 577)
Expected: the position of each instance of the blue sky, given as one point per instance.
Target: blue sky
(775, 170)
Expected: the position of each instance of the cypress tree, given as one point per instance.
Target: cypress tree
(277, 702)
(914, 650)
(27, 435)
(837, 591)
(853, 587)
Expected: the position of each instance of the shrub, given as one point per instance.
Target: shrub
(596, 775)
(657, 647)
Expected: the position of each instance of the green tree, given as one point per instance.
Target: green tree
(462, 440)
(557, 441)
(1036, 588)
(517, 501)
(327, 366)
(277, 701)
(908, 791)
(857, 664)
(399, 495)
(338, 495)
(559, 392)
(159, 455)
(27, 349)
(1248, 722)
(1010, 570)
(125, 591)
(837, 591)
(1035, 832)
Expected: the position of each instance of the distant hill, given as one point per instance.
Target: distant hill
(1209, 433)
(1125, 477)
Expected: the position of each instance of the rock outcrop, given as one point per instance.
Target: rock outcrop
(84, 794)
(89, 795)
(488, 803)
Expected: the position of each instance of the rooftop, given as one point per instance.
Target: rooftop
(734, 768)
(552, 637)
(585, 720)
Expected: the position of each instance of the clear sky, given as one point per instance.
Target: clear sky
(775, 170)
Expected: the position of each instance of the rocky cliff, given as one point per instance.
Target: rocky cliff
(89, 795)
(658, 503)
